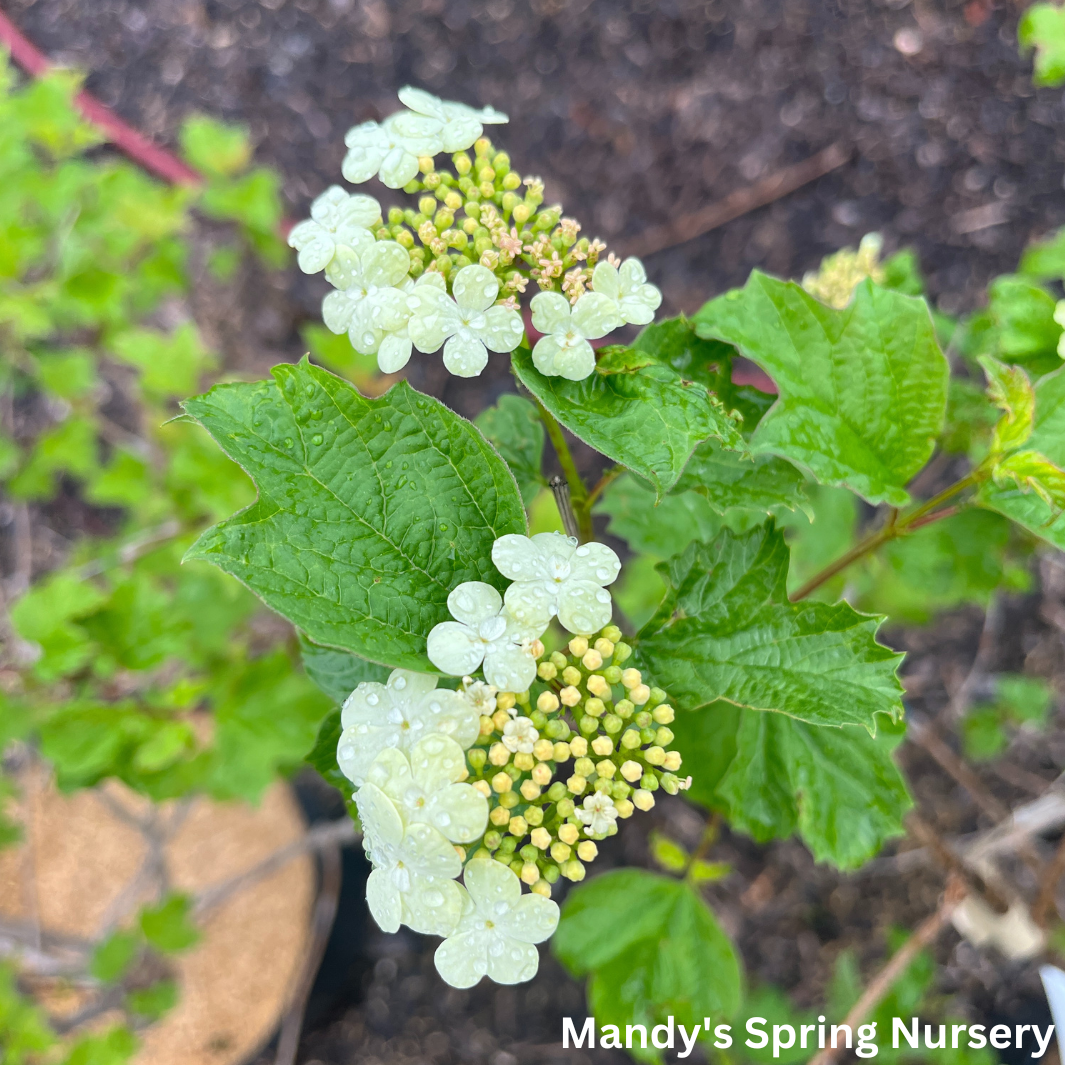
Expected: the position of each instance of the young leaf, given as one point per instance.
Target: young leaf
(214, 148)
(113, 957)
(862, 390)
(653, 948)
(370, 511)
(338, 673)
(772, 776)
(1020, 324)
(1042, 27)
(1012, 392)
(515, 430)
(728, 479)
(649, 420)
(726, 630)
(152, 1002)
(167, 927)
(1022, 485)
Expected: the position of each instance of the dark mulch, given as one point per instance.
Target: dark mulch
(634, 113)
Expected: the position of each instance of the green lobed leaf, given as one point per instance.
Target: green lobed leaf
(214, 148)
(649, 420)
(653, 949)
(338, 673)
(1012, 392)
(728, 479)
(1045, 259)
(862, 390)
(1018, 325)
(514, 428)
(370, 511)
(773, 776)
(726, 630)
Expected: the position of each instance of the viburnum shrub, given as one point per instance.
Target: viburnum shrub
(497, 725)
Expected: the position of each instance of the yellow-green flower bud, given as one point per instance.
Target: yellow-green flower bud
(529, 874)
(592, 659)
(657, 696)
(577, 784)
(649, 782)
(499, 816)
(602, 785)
(562, 752)
(547, 671)
(442, 220)
(589, 724)
(602, 746)
(482, 146)
(487, 190)
(510, 201)
(541, 887)
(597, 685)
(511, 181)
(534, 815)
(587, 851)
(521, 213)
(462, 163)
(572, 676)
(570, 695)
(579, 746)
(622, 653)
(631, 771)
(670, 784)
(630, 739)
(642, 800)
(524, 761)
(573, 870)
(557, 792)
(432, 180)
(551, 873)
(578, 646)
(477, 757)
(640, 694)
(606, 769)
(560, 851)
(568, 833)
(624, 708)
(604, 646)
(565, 808)
(595, 707)
(492, 839)
(540, 838)
(612, 633)
(452, 201)
(516, 866)
(612, 723)
(673, 761)
(469, 226)
(530, 790)
(501, 783)
(395, 215)
(612, 674)
(412, 187)
(384, 233)
(583, 767)
(518, 826)
(501, 163)
(643, 720)
(663, 715)
(620, 790)
(624, 807)
(664, 736)
(404, 238)
(509, 799)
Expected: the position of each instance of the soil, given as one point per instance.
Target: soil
(636, 113)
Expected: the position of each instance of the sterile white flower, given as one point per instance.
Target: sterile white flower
(498, 929)
(390, 149)
(425, 787)
(484, 631)
(483, 696)
(469, 323)
(627, 285)
(598, 814)
(336, 219)
(398, 714)
(458, 126)
(551, 575)
(519, 735)
(414, 866)
(564, 350)
(388, 338)
(366, 282)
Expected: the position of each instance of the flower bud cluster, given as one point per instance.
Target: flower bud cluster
(559, 764)
(479, 213)
(842, 272)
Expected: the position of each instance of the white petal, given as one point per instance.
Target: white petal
(460, 812)
(324, 207)
(454, 649)
(432, 906)
(509, 668)
(364, 704)
(490, 883)
(386, 263)
(638, 311)
(384, 901)
(302, 233)
(595, 315)
(365, 134)
(605, 280)
(534, 603)
(429, 853)
(510, 961)
(362, 162)
(344, 270)
(475, 288)
(459, 132)
(474, 602)
(315, 256)
(391, 772)
(503, 329)
(433, 278)
(463, 959)
(379, 815)
(575, 360)
(421, 101)
(394, 353)
(355, 237)
(491, 117)
(398, 167)
(358, 210)
(338, 309)
(583, 607)
(358, 746)
(436, 761)
(415, 134)
(545, 355)
(532, 919)
(465, 355)
(595, 562)
(447, 713)
(550, 312)
(631, 276)
(517, 558)
(434, 317)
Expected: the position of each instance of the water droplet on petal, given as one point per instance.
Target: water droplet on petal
(443, 819)
(581, 551)
(399, 683)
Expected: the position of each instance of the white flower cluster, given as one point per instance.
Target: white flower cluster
(551, 575)
(403, 745)
(387, 313)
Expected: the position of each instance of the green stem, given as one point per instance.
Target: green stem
(578, 493)
(892, 529)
